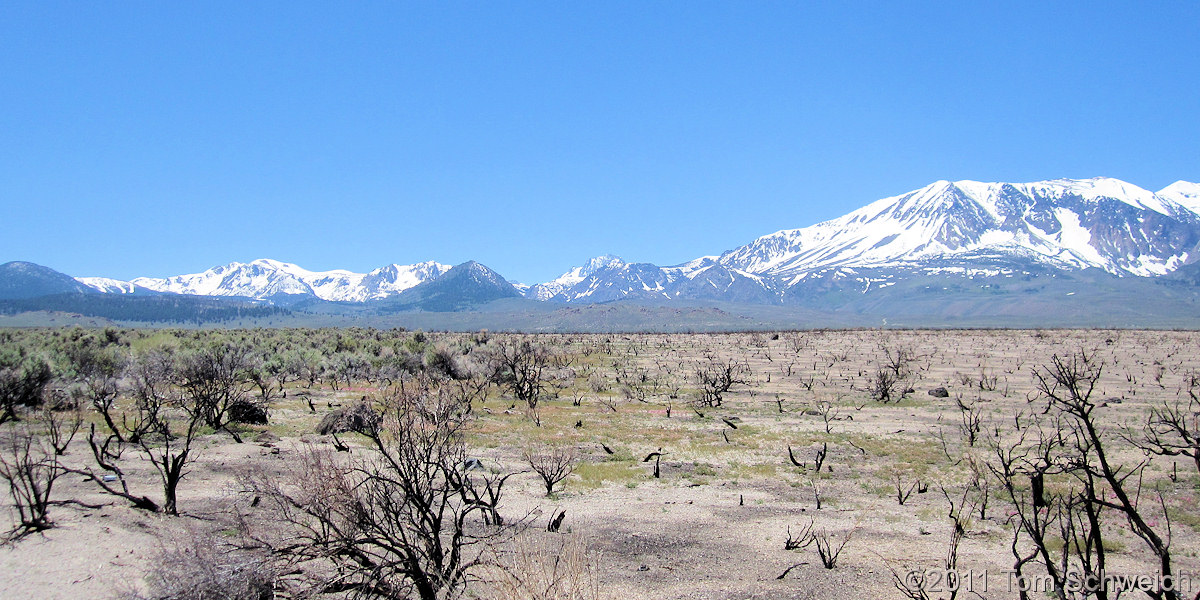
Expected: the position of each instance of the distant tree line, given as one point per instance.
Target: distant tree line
(147, 309)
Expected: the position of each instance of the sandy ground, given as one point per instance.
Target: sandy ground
(713, 526)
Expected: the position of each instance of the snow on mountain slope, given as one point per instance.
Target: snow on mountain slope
(393, 279)
(951, 229)
(460, 288)
(107, 285)
(264, 278)
(1184, 193)
(623, 281)
(700, 279)
(1072, 224)
(550, 289)
(945, 228)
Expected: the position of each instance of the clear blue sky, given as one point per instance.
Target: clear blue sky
(165, 138)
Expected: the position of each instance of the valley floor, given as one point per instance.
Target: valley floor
(713, 524)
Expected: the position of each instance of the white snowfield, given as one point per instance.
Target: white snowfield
(264, 278)
(106, 285)
(1067, 223)
(944, 227)
(1184, 193)
(549, 289)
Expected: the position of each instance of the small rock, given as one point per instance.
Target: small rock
(266, 437)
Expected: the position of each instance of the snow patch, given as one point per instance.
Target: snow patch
(264, 278)
(108, 286)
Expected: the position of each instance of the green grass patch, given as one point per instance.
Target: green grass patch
(593, 475)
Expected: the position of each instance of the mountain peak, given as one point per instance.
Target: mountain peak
(270, 262)
(1185, 193)
(965, 227)
(605, 261)
(22, 266)
(479, 271)
(463, 286)
(551, 289)
(22, 279)
(1182, 187)
(1065, 223)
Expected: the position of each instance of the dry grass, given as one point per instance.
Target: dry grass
(549, 567)
(197, 566)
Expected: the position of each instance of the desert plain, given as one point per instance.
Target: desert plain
(867, 463)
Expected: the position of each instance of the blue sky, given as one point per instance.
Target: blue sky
(164, 138)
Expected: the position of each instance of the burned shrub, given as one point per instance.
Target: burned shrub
(247, 412)
(402, 520)
(360, 417)
(201, 568)
(22, 381)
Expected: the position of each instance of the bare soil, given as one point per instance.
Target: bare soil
(713, 526)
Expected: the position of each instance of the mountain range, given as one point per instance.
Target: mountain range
(945, 236)
(265, 279)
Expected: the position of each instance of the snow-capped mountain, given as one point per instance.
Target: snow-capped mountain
(1184, 193)
(462, 287)
(606, 278)
(1067, 224)
(619, 281)
(265, 278)
(109, 286)
(550, 289)
(393, 279)
(962, 228)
